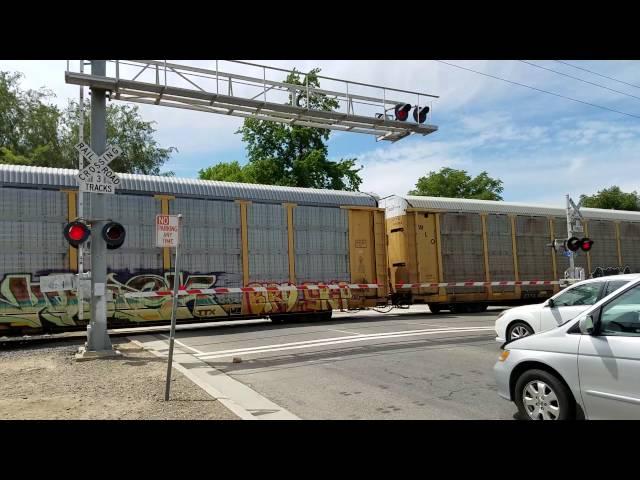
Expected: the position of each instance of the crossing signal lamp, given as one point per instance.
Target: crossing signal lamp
(76, 233)
(586, 244)
(402, 111)
(574, 244)
(114, 234)
(420, 114)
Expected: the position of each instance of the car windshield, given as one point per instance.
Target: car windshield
(612, 286)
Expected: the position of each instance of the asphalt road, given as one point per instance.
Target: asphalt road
(407, 364)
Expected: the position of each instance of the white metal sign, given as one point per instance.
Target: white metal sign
(97, 177)
(57, 283)
(167, 232)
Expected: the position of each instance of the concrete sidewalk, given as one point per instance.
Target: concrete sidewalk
(236, 396)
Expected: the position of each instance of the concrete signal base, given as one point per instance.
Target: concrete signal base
(84, 354)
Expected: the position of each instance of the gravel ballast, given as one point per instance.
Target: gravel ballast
(45, 382)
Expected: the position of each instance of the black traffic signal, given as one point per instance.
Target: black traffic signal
(574, 244)
(420, 115)
(402, 111)
(76, 233)
(114, 234)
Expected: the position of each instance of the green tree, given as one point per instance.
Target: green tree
(125, 128)
(612, 198)
(290, 155)
(453, 183)
(227, 172)
(33, 132)
(28, 125)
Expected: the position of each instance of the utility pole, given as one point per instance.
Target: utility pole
(98, 342)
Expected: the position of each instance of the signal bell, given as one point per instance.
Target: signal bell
(76, 233)
(114, 234)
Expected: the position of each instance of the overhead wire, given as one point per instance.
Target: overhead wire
(540, 90)
(579, 79)
(596, 73)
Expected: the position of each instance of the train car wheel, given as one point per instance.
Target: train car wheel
(434, 307)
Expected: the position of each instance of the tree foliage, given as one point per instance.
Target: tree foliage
(33, 132)
(290, 155)
(453, 183)
(612, 198)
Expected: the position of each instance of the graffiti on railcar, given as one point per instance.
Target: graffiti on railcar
(298, 300)
(22, 304)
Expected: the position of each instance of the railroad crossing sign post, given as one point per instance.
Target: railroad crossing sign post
(573, 225)
(98, 179)
(168, 235)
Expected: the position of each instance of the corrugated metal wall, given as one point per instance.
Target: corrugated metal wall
(462, 250)
(500, 249)
(211, 239)
(321, 244)
(138, 215)
(268, 243)
(629, 234)
(605, 249)
(31, 224)
(534, 256)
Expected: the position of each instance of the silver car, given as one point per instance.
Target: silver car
(589, 367)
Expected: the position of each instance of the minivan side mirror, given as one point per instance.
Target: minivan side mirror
(551, 303)
(586, 325)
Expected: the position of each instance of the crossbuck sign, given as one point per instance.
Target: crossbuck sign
(97, 177)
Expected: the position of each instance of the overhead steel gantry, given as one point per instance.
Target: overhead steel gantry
(182, 86)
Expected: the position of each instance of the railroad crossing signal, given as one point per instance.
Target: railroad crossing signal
(574, 244)
(402, 111)
(77, 232)
(97, 177)
(570, 245)
(114, 234)
(420, 114)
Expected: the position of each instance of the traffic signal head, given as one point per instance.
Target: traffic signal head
(114, 234)
(402, 111)
(420, 115)
(572, 244)
(586, 244)
(76, 233)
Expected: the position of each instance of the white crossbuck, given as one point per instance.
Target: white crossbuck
(97, 177)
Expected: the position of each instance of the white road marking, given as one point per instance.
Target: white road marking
(236, 396)
(343, 331)
(183, 345)
(336, 341)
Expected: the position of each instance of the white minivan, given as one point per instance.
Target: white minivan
(587, 368)
(526, 320)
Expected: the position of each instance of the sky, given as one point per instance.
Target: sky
(541, 146)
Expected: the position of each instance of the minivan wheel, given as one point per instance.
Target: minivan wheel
(518, 330)
(540, 395)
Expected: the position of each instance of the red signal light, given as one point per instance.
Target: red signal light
(76, 233)
(402, 111)
(586, 244)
